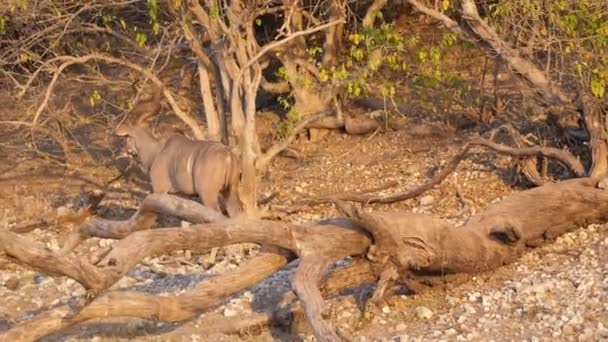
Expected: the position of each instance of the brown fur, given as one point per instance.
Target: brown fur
(178, 164)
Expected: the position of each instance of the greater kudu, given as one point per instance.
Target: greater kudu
(178, 164)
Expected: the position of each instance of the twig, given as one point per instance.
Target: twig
(283, 41)
(275, 149)
(564, 157)
(69, 60)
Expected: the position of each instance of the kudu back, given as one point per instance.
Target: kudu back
(178, 164)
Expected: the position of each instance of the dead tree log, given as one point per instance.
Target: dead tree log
(321, 244)
(123, 304)
(417, 244)
(404, 244)
(145, 216)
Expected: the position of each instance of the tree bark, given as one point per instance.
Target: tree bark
(595, 123)
(213, 120)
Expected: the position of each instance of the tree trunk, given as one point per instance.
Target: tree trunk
(523, 67)
(334, 35)
(595, 123)
(480, 33)
(211, 115)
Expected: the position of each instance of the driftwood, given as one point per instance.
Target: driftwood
(403, 244)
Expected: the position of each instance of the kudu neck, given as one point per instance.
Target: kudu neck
(147, 146)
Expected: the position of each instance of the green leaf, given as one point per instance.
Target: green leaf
(214, 12)
(141, 39)
(445, 4)
(598, 87)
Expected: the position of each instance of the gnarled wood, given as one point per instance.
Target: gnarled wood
(423, 245)
(119, 304)
(143, 218)
(404, 244)
(595, 123)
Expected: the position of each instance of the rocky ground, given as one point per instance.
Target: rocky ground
(558, 292)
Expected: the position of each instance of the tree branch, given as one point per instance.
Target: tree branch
(70, 60)
(263, 161)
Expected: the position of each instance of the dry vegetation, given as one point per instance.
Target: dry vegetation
(408, 167)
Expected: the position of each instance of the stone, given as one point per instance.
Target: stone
(228, 312)
(12, 283)
(427, 200)
(40, 278)
(423, 312)
(451, 332)
(469, 309)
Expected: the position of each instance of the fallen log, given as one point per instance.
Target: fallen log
(404, 244)
(418, 244)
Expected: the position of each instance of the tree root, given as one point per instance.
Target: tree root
(152, 205)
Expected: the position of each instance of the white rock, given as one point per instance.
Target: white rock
(427, 200)
(423, 312)
(228, 312)
(451, 332)
(105, 243)
(469, 309)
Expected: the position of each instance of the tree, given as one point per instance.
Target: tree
(388, 247)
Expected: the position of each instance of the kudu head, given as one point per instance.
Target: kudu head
(139, 138)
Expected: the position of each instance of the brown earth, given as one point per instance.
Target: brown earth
(558, 292)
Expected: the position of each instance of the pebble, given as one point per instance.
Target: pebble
(423, 312)
(103, 243)
(12, 283)
(469, 309)
(451, 332)
(228, 312)
(427, 200)
(40, 278)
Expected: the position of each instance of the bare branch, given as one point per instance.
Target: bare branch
(274, 45)
(372, 12)
(262, 161)
(69, 60)
(447, 21)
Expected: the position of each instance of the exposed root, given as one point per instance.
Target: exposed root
(306, 203)
(323, 244)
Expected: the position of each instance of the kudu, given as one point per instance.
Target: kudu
(178, 164)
